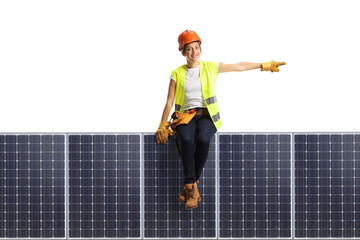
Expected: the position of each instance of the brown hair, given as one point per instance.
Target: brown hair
(184, 47)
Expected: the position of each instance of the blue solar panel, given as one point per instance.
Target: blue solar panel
(255, 186)
(32, 186)
(106, 181)
(104, 186)
(327, 186)
(164, 216)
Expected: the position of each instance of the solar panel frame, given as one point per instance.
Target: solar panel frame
(207, 187)
(219, 184)
(121, 148)
(324, 149)
(38, 147)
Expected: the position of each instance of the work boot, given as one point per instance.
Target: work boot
(182, 197)
(192, 195)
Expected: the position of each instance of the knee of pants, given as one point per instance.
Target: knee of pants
(187, 140)
(204, 139)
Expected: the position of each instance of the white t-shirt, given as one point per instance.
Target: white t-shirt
(193, 95)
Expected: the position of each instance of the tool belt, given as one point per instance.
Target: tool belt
(184, 117)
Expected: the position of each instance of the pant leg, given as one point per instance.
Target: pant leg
(205, 130)
(186, 137)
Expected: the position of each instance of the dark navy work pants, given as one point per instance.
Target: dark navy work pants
(194, 140)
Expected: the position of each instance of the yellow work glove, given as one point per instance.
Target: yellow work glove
(163, 132)
(272, 66)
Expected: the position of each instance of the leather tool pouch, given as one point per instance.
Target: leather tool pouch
(182, 118)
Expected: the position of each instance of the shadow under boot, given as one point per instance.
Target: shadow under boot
(182, 197)
(192, 195)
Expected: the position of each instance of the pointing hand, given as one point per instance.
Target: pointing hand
(272, 66)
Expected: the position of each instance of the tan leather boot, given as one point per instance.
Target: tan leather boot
(182, 197)
(192, 195)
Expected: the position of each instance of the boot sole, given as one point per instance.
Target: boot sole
(181, 201)
(191, 207)
(199, 200)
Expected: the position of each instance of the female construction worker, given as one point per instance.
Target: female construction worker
(196, 117)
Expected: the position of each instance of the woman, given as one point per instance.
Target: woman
(192, 86)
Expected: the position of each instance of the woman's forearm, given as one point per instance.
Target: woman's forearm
(166, 111)
(238, 67)
(169, 101)
(243, 66)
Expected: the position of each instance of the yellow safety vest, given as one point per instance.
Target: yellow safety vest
(208, 75)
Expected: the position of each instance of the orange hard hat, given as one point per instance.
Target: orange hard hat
(187, 36)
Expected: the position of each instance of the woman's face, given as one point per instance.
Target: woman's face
(192, 52)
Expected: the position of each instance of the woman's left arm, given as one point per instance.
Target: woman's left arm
(244, 66)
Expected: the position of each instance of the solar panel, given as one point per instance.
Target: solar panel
(32, 186)
(255, 185)
(115, 179)
(164, 216)
(327, 186)
(104, 186)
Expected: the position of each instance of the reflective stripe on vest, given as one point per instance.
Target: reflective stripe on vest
(216, 117)
(211, 100)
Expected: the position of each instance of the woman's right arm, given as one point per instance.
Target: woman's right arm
(170, 100)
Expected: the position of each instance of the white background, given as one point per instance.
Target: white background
(104, 66)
